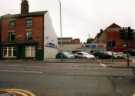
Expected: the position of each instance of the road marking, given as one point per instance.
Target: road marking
(18, 92)
(103, 65)
(15, 71)
(9, 65)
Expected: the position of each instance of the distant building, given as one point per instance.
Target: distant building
(94, 47)
(29, 35)
(69, 44)
(68, 40)
(112, 35)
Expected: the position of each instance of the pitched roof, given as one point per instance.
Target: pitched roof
(113, 25)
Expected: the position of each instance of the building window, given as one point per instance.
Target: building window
(111, 44)
(11, 36)
(9, 52)
(30, 51)
(12, 23)
(29, 22)
(29, 35)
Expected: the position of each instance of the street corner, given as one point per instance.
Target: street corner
(15, 92)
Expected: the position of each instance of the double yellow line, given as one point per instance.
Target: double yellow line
(16, 92)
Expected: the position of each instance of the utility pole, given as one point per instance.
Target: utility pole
(61, 30)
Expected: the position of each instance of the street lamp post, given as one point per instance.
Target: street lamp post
(60, 24)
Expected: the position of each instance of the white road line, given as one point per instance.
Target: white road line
(15, 71)
(9, 65)
(103, 65)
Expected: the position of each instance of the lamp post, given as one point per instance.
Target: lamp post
(60, 24)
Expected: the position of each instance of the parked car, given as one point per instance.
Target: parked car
(109, 55)
(64, 55)
(84, 55)
(132, 52)
(116, 55)
(102, 55)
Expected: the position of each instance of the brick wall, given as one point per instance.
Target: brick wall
(21, 29)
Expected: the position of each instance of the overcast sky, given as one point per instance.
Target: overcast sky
(80, 18)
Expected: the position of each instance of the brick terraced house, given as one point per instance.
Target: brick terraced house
(112, 35)
(29, 35)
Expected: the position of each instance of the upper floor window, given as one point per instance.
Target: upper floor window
(29, 22)
(29, 35)
(12, 23)
(11, 36)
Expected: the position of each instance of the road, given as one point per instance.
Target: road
(68, 79)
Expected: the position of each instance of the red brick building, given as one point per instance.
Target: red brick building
(112, 35)
(23, 35)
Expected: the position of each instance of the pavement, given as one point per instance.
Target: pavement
(67, 79)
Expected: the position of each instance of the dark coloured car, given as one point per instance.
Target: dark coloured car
(102, 55)
(132, 52)
(64, 55)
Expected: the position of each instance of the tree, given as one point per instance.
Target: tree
(89, 40)
(127, 34)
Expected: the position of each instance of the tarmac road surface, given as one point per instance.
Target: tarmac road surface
(68, 79)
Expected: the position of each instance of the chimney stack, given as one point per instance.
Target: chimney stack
(24, 8)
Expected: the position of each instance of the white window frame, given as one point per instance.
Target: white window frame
(10, 34)
(5, 52)
(27, 35)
